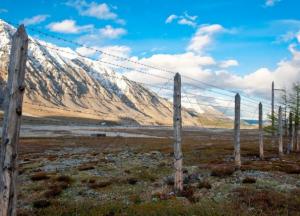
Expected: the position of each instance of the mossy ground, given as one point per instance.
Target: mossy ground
(133, 176)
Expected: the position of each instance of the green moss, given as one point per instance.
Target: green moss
(163, 208)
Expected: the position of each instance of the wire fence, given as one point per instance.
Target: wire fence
(66, 86)
(208, 96)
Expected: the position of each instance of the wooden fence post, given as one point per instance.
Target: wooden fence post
(11, 123)
(272, 113)
(291, 134)
(177, 123)
(280, 144)
(296, 130)
(261, 132)
(237, 121)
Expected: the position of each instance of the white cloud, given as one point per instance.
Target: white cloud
(200, 67)
(271, 3)
(98, 10)
(229, 63)
(287, 37)
(86, 51)
(184, 19)
(298, 36)
(97, 36)
(68, 26)
(203, 37)
(34, 20)
(120, 51)
(190, 17)
(189, 64)
(171, 18)
(112, 33)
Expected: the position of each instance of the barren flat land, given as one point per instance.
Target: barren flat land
(95, 170)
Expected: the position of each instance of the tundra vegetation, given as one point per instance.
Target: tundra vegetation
(134, 176)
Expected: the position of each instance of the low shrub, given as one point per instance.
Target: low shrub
(222, 171)
(39, 176)
(204, 184)
(249, 180)
(41, 204)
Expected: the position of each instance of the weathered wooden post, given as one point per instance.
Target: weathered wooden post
(237, 122)
(261, 133)
(272, 113)
(291, 134)
(280, 144)
(297, 123)
(177, 123)
(11, 123)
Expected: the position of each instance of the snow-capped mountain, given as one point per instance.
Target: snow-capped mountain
(61, 83)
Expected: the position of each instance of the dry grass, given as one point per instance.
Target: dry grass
(266, 201)
(222, 171)
(207, 153)
(64, 178)
(249, 180)
(86, 167)
(204, 184)
(39, 176)
(97, 185)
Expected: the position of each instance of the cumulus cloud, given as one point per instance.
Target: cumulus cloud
(271, 3)
(68, 26)
(229, 63)
(188, 63)
(95, 51)
(203, 68)
(112, 33)
(86, 51)
(203, 37)
(171, 18)
(184, 19)
(98, 10)
(96, 37)
(34, 20)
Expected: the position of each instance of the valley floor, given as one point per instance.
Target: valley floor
(133, 176)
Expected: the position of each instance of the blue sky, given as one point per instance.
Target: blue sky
(253, 44)
(236, 37)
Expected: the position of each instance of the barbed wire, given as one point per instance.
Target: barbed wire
(129, 60)
(128, 68)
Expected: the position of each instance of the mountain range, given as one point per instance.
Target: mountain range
(61, 83)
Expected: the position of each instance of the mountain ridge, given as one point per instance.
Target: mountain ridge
(62, 83)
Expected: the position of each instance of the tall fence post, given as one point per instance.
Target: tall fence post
(11, 123)
(237, 122)
(261, 133)
(280, 144)
(291, 134)
(297, 144)
(177, 123)
(272, 113)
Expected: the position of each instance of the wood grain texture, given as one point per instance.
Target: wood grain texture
(261, 131)
(11, 123)
(177, 123)
(280, 141)
(237, 125)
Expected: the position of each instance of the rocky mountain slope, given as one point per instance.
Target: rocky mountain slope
(61, 83)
